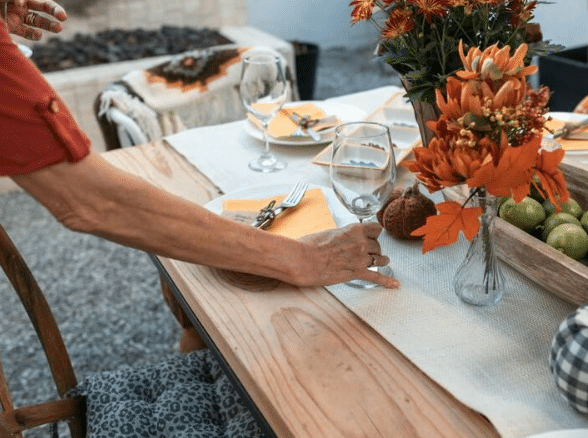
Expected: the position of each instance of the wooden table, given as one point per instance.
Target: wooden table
(309, 366)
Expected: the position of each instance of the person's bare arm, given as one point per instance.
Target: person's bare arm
(95, 197)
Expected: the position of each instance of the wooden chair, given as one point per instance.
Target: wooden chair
(195, 376)
(14, 420)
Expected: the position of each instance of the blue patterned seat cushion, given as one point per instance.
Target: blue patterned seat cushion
(187, 396)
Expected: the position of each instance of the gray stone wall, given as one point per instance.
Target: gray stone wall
(88, 16)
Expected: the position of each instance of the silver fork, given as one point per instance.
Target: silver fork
(303, 130)
(268, 214)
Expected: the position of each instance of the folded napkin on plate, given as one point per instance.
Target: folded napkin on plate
(282, 126)
(310, 216)
(568, 144)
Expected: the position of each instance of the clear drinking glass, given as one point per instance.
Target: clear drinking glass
(264, 90)
(363, 170)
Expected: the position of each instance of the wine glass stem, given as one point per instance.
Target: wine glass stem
(266, 150)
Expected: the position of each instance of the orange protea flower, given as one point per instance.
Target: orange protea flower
(430, 8)
(494, 63)
(462, 97)
(400, 22)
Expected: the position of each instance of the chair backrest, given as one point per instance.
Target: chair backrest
(13, 420)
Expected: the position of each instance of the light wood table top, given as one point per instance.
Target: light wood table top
(311, 366)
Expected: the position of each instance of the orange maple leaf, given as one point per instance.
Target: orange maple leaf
(513, 172)
(443, 228)
(550, 177)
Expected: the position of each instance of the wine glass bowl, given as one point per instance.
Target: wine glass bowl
(362, 167)
(362, 172)
(263, 89)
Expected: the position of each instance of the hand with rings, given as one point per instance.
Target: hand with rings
(23, 17)
(343, 254)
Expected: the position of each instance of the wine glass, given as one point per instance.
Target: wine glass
(362, 171)
(263, 89)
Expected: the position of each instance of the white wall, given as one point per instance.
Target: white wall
(323, 22)
(327, 22)
(564, 22)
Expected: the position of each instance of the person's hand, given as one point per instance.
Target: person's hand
(23, 19)
(344, 254)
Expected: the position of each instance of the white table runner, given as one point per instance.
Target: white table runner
(492, 359)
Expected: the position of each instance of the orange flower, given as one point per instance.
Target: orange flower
(362, 10)
(520, 13)
(399, 23)
(430, 8)
(445, 162)
(494, 63)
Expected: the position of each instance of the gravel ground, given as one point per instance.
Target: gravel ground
(106, 297)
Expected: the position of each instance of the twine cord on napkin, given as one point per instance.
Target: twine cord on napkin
(569, 144)
(310, 216)
(283, 126)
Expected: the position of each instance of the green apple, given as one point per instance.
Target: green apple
(584, 221)
(571, 206)
(554, 220)
(571, 239)
(525, 215)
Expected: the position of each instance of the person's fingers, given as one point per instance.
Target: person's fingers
(27, 32)
(382, 280)
(373, 246)
(14, 2)
(49, 7)
(371, 229)
(379, 260)
(36, 20)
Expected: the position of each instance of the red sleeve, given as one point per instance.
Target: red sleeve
(36, 128)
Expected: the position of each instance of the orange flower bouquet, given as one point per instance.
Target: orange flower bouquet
(419, 37)
(487, 137)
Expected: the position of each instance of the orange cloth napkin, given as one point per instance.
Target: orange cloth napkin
(568, 144)
(310, 216)
(282, 126)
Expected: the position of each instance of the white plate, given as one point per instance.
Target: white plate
(570, 117)
(570, 433)
(341, 215)
(346, 113)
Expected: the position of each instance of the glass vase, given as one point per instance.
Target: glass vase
(479, 280)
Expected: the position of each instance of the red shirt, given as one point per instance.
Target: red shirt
(36, 128)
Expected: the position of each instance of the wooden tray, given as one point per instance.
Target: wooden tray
(556, 272)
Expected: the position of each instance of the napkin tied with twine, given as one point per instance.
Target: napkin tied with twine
(282, 126)
(569, 144)
(310, 216)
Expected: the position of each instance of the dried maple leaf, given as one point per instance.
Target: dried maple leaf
(443, 228)
(513, 172)
(550, 177)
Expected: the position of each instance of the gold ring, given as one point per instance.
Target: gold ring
(30, 18)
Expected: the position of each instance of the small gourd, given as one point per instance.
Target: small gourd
(405, 211)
